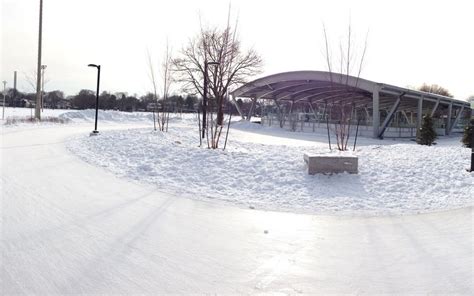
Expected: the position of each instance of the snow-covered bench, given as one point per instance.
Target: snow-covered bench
(330, 164)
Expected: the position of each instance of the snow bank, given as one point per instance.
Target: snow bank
(107, 116)
(394, 179)
(79, 116)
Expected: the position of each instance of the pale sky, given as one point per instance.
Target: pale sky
(410, 42)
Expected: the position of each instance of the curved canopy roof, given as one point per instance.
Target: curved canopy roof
(319, 86)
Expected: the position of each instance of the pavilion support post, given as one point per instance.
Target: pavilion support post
(367, 114)
(435, 107)
(312, 110)
(324, 114)
(252, 107)
(376, 111)
(280, 113)
(406, 116)
(419, 114)
(461, 110)
(390, 114)
(293, 121)
(238, 108)
(449, 118)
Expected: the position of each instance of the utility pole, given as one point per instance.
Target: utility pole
(4, 94)
(472, 137)
(43, 67)
(38, 70)
(204, 101)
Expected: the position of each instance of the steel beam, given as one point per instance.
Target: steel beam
(252, 107)
(390, 114)
(238, 107)
(456, 119)
(375, 111)
(435, 107)
(312, 110)
(449, 118)
(419, 114)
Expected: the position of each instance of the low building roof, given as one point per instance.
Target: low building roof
(327, 87)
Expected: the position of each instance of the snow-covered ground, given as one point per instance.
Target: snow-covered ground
(72, 227)
(263, 168)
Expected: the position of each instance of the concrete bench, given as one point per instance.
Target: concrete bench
(331, 164)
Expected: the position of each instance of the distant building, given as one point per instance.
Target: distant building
(382, 110)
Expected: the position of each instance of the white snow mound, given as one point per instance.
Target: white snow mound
(394, 179)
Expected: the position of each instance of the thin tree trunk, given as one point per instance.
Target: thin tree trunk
(199, 124)
(227, 132)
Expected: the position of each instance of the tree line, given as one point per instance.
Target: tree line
(121, 101)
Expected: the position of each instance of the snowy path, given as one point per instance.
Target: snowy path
(72, 228)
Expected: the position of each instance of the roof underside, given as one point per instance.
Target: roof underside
(323, 87)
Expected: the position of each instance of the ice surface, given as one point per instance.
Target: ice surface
(71, 227)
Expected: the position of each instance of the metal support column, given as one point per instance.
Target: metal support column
(449, 118)
(435, 107)
(376, 112)
(312, 110)
(252, 107)
(456, 119)
(390, 114)
(238, 108)
(419, 114)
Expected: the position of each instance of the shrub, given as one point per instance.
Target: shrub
(426, 134)
(468, 134)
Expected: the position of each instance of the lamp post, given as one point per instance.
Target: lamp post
(4, 94)
(472, 137)
(204, 99)
(43, 67)
(95, 131)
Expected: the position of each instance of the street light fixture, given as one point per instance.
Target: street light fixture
(204, 99)
(95, 131)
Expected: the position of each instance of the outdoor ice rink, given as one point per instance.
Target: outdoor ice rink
(78, 228)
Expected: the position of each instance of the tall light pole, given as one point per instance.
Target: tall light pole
(43, 67)
(204, 99)
(4, 94)
(95, 131)
(38, 70)
(471, 122)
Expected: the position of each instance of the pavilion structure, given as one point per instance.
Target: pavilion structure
(387, 110)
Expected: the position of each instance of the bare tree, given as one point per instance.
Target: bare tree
(155, 97)
(342, 112)
(435, 89)
(30, 79)
(234, 68)
(166, 74)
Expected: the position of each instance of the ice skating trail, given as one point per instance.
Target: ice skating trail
(69, 227)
